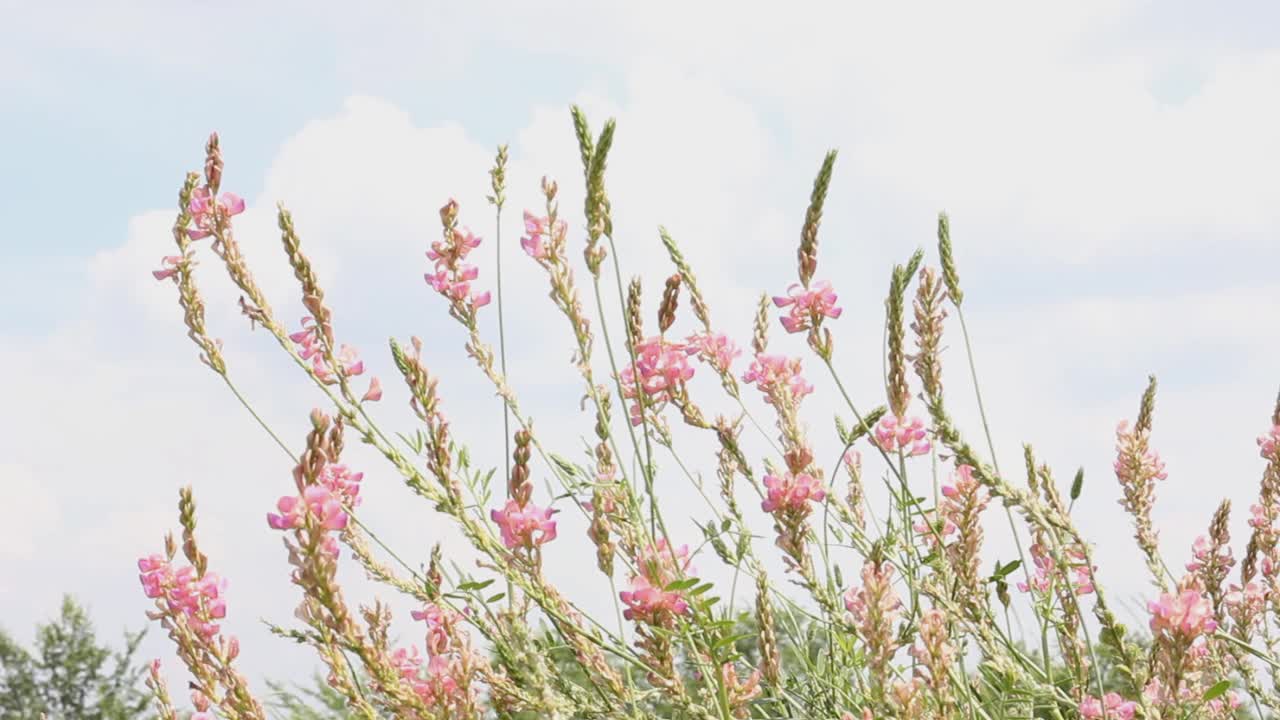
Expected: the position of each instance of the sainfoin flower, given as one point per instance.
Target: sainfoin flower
(776, 375)
(715, 349)
(1186, 614)
(658, 566)
(541, 241)
(1047, 573)
(808, 306)
(524, 527)
(311, 349)
(205, 212)
(661, 369)
(452, 276)
(324, 505)
(1205, 554)
(906, 434)
(168, 268)
(1110, 707)
(199, 599)
(791, 492)
(1268, 444)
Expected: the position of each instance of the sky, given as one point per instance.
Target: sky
(1108, 168)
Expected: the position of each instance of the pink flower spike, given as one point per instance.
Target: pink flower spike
(1268, 444)
(1187, 614)
(791, 492)
(808, 306)
(374, 393)
(907, 435)
(232, 203)
(1110, 707)
(168, 268)
(524, 527)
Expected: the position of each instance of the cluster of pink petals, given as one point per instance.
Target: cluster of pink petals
(648, 600)
(773, 374)
(201, 704)
(452, 277)
(1047, 571)
(808, 306)
(716, 349)
(661, 368)
(1269, 444)
(524, 527)
(790, 492)
(1110, 707)
(432, 682)
(318, 501)
(341, 482)
(440, 622)
(1248, 601)
(444, 254)
(205, 212)
(963, 489)
(539, 239)
(458, 287)
(199, 599)
(905, 434)
(1150, 465)
(1204, 554)
(168, 268)
(858, 603)
(311, 349)
(934, 525)
(1186, 614)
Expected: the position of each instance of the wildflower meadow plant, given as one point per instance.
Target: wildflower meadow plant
(877, 614)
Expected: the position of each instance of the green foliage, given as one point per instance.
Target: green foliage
(318, 702)
(68, 675)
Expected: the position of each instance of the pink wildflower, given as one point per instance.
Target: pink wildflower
(168, 268)
(646, 602)
(205, 213)
(1205, 554)
(715, 349)
(905, 434)
(808, 306)
(777, 376)
(311, 348)
(452, 277)
(1046, 571)
(658, 566)
(791, 492)
(662, 368)
(325, 506)
(1186, 614)
(1135, 464)
(374, 393)
(1110, 707)
(440, 622)
(934, 525)
(526, 527)
(200, 599)
(541, 242)
(1269, 444)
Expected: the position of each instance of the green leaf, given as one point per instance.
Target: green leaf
(469, 586)
(1216, 691)
(1077, 484)
(496, 598)
(1003, 571)
(684, 584)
